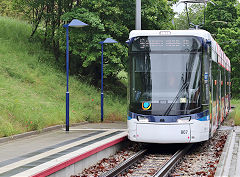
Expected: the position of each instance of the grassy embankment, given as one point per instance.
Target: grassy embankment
(32, 89)
(235, 114)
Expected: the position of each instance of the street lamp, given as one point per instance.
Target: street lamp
(108, 40)
(77, 24)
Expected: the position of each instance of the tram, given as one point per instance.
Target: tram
(179, 86)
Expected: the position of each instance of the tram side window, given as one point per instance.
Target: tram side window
(222, 83)
(214, 78)
(206, 71)
(228, 86)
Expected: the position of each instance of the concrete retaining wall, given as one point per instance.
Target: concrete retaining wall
(78, 167)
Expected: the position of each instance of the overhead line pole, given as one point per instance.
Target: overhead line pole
(138, 15)
(187, 15)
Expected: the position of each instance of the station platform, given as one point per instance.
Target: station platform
(229, 163)
(46, 153)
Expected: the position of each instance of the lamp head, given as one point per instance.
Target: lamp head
(108, 40)
(77, 23)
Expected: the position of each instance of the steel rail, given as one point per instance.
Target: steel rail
(124, 165)
(171, 163)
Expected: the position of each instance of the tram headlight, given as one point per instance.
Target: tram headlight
(184, 120)
(142, 119)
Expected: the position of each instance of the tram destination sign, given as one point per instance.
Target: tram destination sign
(156, 43)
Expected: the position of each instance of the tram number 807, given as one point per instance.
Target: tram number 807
(184, 132)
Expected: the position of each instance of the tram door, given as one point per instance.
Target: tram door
(211, 100)
(214, 95)
(222, 94)
(219, 96)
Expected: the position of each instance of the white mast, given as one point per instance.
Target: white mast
(138, 15)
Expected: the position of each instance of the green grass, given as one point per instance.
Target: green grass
(235, 114)
(32, 89)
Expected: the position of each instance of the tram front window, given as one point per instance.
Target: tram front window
(167, 77)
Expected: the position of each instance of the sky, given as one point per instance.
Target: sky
(181, 7)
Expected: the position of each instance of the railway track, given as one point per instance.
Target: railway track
(155, 164)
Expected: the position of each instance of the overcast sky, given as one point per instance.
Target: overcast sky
(180, 7)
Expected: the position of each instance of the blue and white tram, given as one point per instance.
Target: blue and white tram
(179, 86)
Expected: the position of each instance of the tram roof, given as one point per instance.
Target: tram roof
(199, 33)
(222, 59)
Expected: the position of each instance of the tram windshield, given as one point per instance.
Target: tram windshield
(165, 75)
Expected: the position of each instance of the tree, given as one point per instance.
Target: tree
(229, 39)
(196, 16)
(47, 16)
(7, 9)
(223, 21)
(216, 15)
(113, 19)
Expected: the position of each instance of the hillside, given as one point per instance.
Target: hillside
(32, 89)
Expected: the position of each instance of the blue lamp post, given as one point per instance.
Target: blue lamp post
(77, 24)
(108, 40)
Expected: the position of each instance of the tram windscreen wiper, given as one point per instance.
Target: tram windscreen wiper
(189, 68)
(176, 98)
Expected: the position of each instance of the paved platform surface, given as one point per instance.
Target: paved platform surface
(229, 163)
(27, 156)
